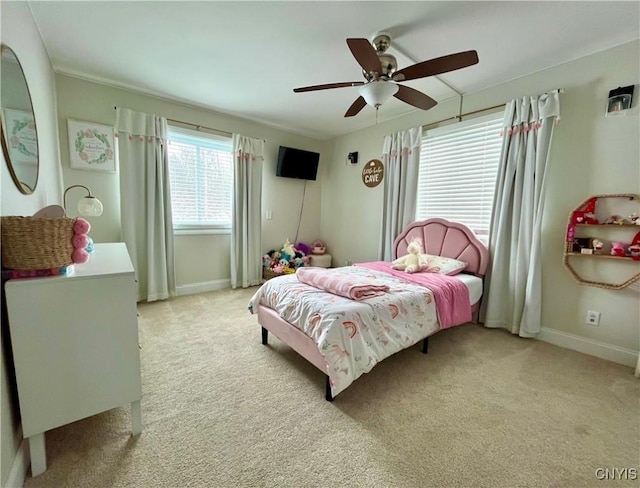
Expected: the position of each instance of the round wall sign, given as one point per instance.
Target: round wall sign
(372, 173)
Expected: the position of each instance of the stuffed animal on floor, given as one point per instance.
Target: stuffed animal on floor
(289, 249)
(414, 261)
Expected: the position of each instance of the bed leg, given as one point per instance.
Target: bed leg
(425, 345)
(328, 395)
(265, 334)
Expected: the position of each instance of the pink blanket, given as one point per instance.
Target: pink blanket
(450, 294)
(333, 281)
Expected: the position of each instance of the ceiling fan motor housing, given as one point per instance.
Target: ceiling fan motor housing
(381, 42)
(389, 64)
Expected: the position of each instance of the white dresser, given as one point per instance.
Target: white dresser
(75, 345)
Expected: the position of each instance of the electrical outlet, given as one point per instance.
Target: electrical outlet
(593, 318)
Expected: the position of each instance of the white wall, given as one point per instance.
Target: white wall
(19, 32)
(590, 154)
(200, 259)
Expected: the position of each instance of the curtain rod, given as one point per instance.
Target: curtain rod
(197, 126)
(459, 117)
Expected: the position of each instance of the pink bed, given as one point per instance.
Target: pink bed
(439, 237)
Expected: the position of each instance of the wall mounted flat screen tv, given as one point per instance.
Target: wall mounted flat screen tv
(297, 163)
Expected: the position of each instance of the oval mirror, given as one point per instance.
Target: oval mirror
(19, 136)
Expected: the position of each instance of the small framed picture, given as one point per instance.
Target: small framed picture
(91, 146)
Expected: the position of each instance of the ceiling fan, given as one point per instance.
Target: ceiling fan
(379, 70)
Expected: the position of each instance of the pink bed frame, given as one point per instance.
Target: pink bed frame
(440, 237)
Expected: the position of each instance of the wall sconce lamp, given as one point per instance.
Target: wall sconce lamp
(88, 206)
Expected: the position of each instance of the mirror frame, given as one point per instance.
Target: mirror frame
(22, 187)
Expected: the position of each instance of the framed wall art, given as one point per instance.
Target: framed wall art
(91, 146)
(21, 138)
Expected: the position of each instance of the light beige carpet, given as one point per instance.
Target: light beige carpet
(482, 409)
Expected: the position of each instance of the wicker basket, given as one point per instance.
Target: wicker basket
(267, 274)
(30, 243)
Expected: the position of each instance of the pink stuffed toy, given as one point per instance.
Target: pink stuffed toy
(617, 249)
(80, 241)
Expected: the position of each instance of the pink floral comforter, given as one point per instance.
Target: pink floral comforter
(354, 336)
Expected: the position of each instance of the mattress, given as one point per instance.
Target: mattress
(474, 284)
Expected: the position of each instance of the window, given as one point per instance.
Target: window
(201, 175)
(458, 170)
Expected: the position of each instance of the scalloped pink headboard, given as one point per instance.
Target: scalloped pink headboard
(442, 237)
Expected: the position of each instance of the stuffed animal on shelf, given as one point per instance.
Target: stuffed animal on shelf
(615, 219)
(597, 245)
(634, 252)
(617, 249)
(414, 261)
(634, 248)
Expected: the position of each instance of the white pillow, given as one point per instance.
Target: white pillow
(442, 265)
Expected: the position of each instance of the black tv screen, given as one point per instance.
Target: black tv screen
(297, 163)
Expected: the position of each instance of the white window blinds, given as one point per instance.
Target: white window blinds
(201, 172)
(458, 169)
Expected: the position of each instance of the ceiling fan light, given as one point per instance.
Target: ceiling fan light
(378, 92)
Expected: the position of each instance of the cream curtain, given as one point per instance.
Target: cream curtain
(246, 214)
(401, 159)
(513, 283)
(145, 198)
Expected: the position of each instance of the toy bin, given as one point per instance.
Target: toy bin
(31, 243)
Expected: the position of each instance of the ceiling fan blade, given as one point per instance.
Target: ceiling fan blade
(437, 66)
(356, 106)
(328, 86)
(365, 55)
(415, 98)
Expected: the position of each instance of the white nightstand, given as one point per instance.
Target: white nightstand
(75, 345)
(320, 260)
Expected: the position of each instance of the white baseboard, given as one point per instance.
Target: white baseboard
(601, 350)
(20, 466)
(193, 288)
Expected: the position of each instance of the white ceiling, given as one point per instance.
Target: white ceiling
(245, 58)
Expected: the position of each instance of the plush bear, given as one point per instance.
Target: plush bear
(414, 261)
